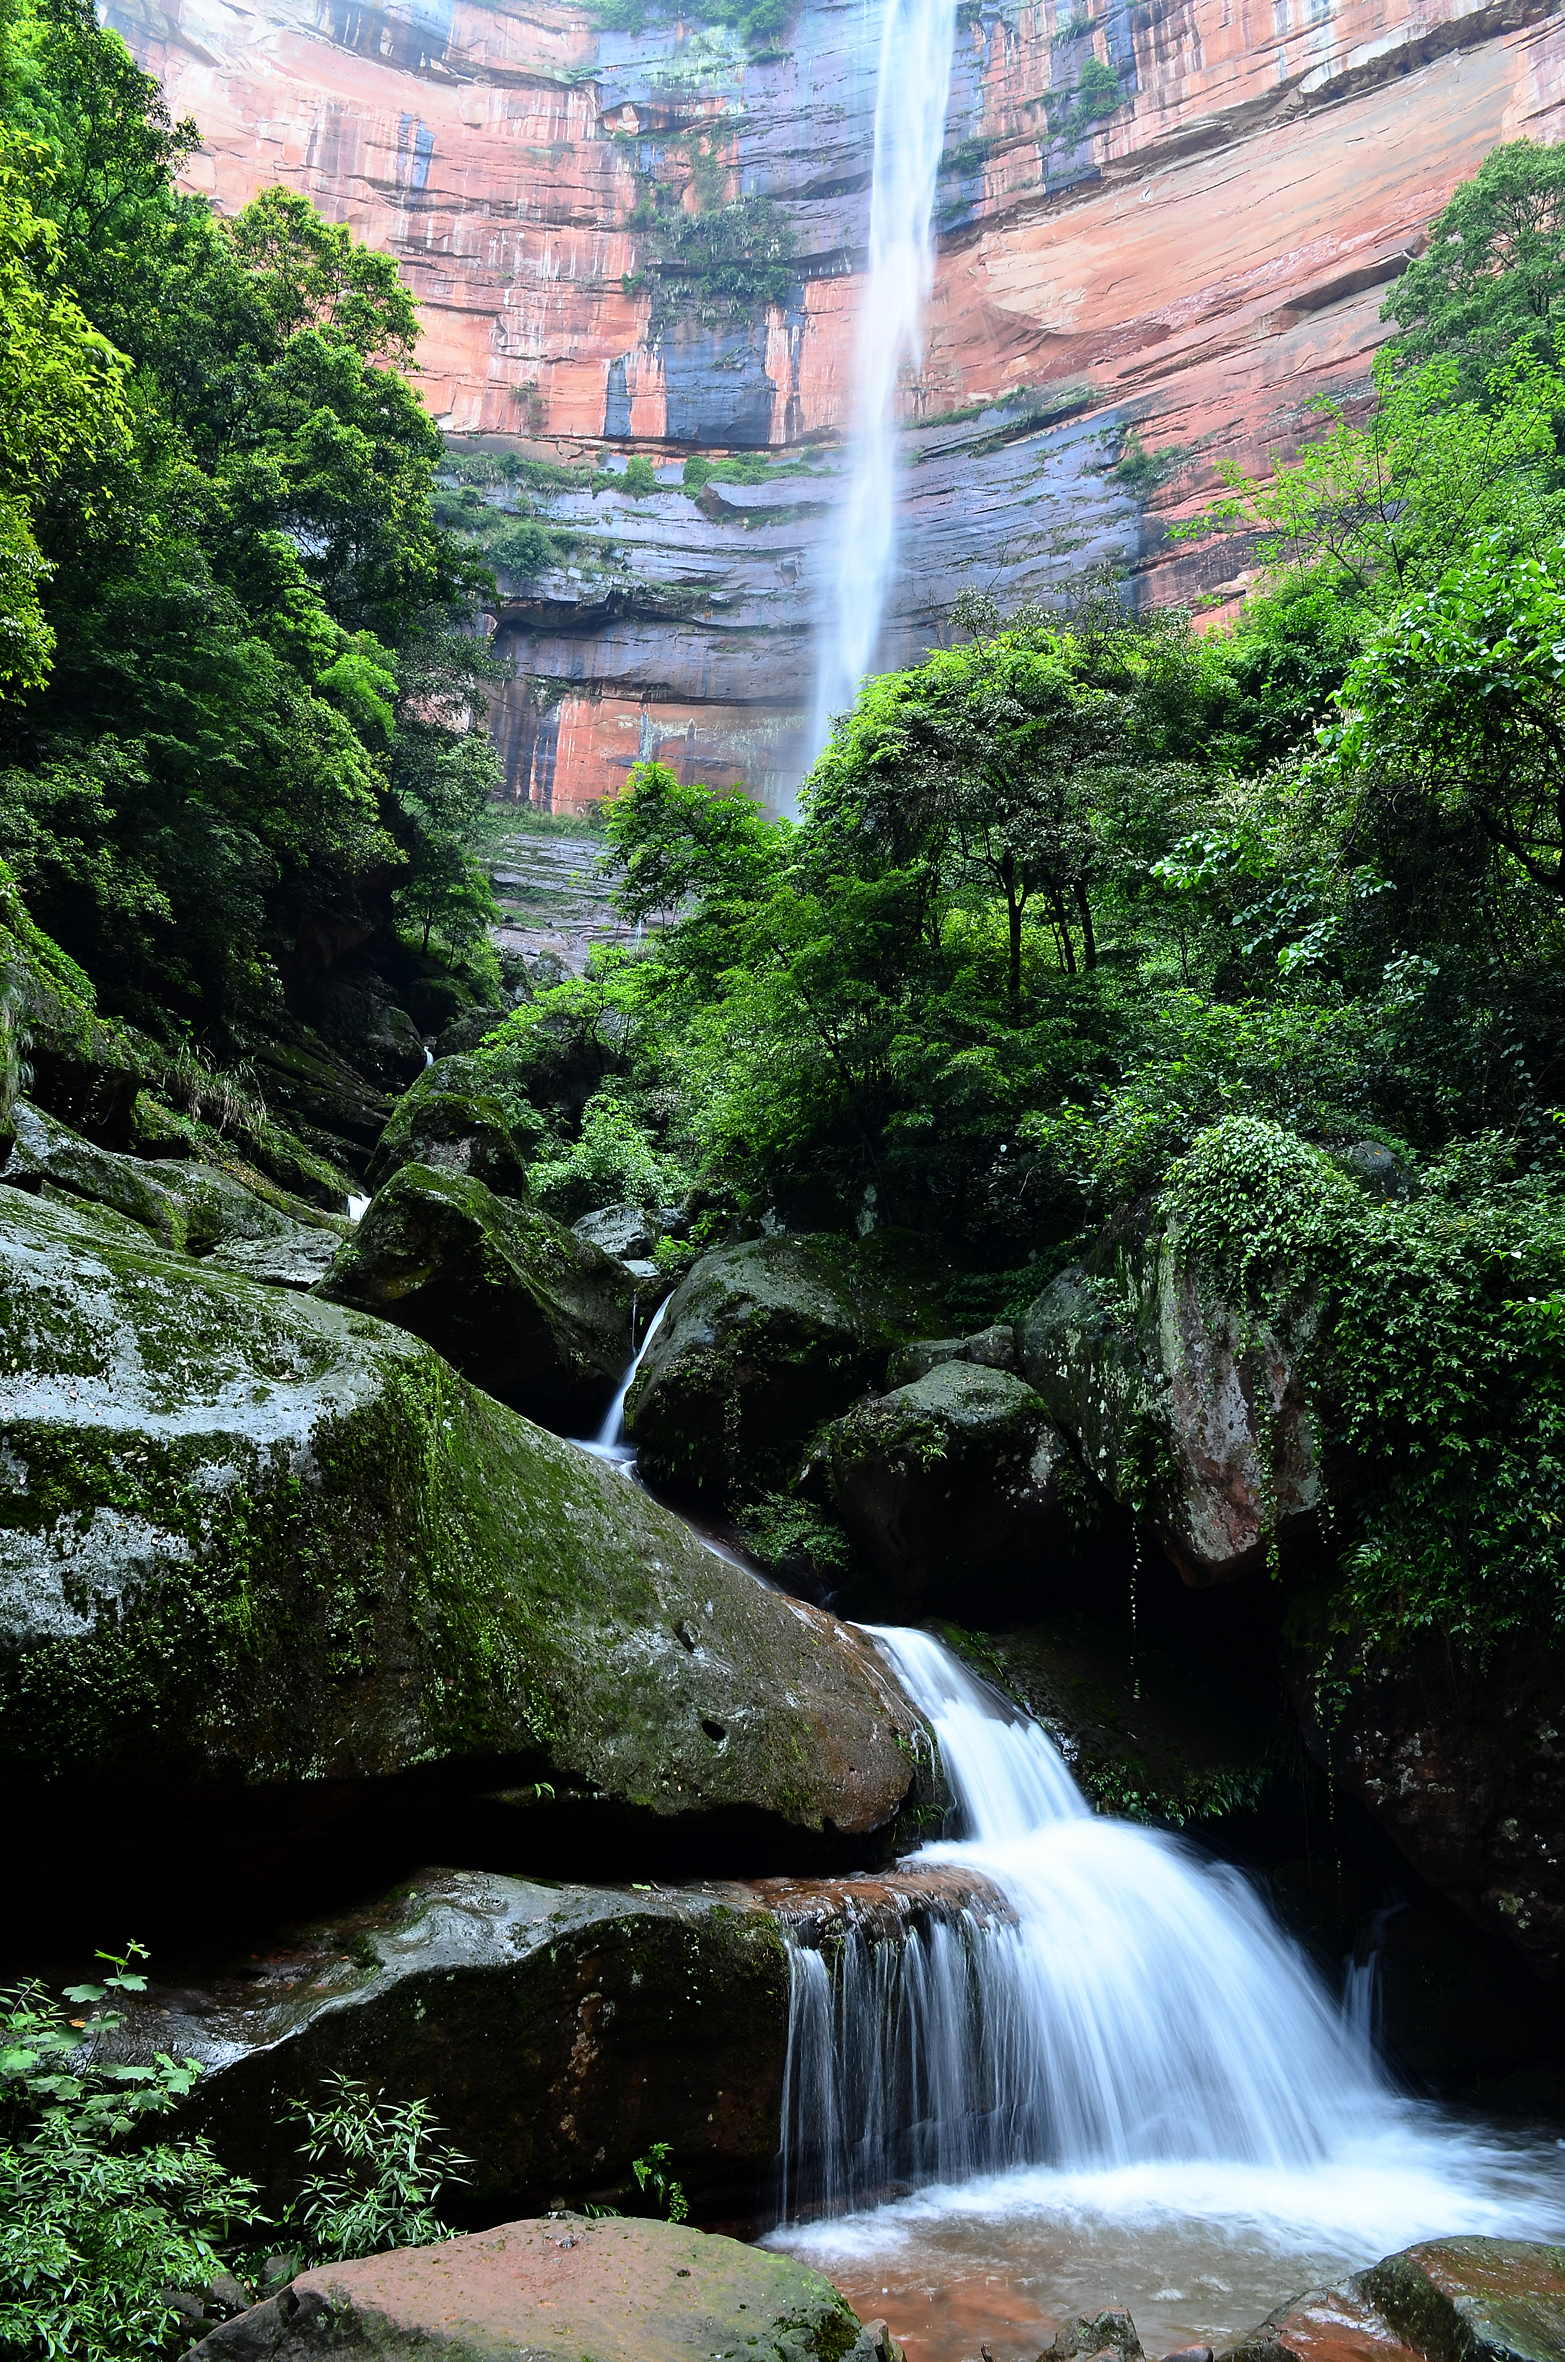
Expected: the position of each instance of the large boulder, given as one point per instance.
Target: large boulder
(1189, 1409)
(957, 1489)
(450, 1121)
(1462, 1762)
(327, 1102)
(196, 1208)
(560, 2289)
(1446, 2300)
(762, 1343)
(250, 1541)
(557, 2029)
(516, 1302)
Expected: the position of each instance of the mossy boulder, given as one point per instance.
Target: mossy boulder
(197, 1209)
(249, 1537)
(515, 1301)
(331, 1106)
(559, 2289)
(449, 1121)
(1458, 1758)
(956, 1489)
(557, 2030)
(84, 1069)
(764, 1342)
(1187, 1408)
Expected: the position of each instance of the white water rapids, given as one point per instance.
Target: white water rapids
(1141, 2078)
(911, 94)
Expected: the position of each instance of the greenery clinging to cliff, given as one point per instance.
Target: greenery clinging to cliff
(237, 676)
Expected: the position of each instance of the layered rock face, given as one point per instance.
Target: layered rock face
(1179, 218)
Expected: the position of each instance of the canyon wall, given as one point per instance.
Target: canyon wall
(1179, 217)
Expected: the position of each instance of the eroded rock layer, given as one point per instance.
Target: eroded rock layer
(1193, 245)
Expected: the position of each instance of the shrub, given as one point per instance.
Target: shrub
(98, 2225)
(380, 2167)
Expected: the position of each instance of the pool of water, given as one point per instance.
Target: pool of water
(1199, 2253)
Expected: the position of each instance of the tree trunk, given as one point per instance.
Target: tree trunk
(1088, 939)
(1062, 928)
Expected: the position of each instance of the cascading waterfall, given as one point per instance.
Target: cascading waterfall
(611, 1441)
(1140, 2007)
(911, 92)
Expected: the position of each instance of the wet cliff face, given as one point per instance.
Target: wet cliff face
(1177, 216)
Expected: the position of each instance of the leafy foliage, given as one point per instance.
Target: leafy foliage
(221, 561)
(655, 2182)
(379, 2168)
(98, 2223)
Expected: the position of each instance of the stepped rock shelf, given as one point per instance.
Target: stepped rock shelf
(1196, 263)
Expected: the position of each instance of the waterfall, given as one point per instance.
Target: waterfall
(1141, 2006)
(911, 91)
(611, 1442)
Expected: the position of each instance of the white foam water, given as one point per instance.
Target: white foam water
(1136, 2063)
(911, 94)
(612, 1442)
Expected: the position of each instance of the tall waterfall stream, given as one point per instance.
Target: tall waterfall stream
(1130, 2086)
(911, 94)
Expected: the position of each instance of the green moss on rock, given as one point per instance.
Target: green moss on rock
(249, 1535)
(520, 1305)
(764, 1342)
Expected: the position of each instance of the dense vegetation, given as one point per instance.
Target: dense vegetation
(1088, 907)
(1095, 905)
(238, 668)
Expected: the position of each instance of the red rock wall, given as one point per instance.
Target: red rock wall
(1200, 265)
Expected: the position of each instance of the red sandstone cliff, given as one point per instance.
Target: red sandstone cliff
(1199, 264)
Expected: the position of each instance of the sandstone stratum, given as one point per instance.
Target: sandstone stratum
(1123, 298)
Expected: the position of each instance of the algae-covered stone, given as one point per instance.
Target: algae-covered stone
(556, 2029)
(955, 1486)
(1184, 1406)
(450, 1121)
(516, 1302)
(248, 1536)
(197, 1208)
(764, 1342)
(559, 2289)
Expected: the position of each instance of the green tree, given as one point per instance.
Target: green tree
(62, 406)
(1463, 697)
(1375, 511)
(1493, 273)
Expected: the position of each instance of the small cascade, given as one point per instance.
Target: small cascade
(1138, 2005)
(611, 1441)
(911, 93)
(1361, 1994)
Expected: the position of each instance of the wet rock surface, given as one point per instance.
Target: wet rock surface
(195, 1208)
(561, 2289)
(519, 1304)
(1452, 2300)
(1463, 1765)
(249, 1540)
(958, 1489)
(557, 2029)
(1179, 1404)
(763, 1342)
